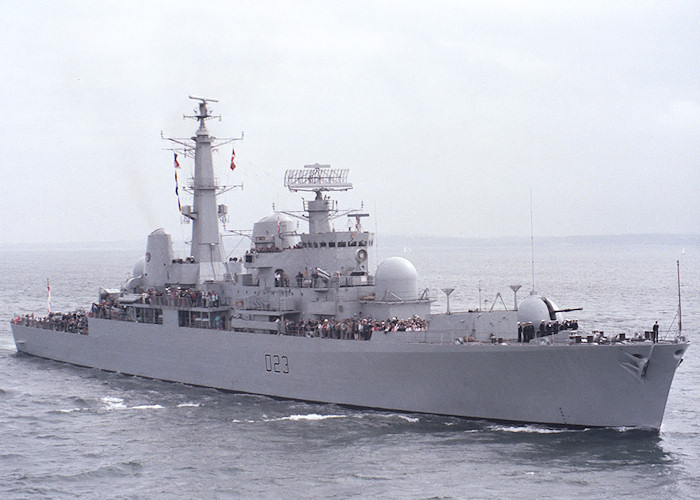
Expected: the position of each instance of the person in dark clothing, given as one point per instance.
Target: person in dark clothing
(655, 332)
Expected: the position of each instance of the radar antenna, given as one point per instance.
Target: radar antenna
(203, 113)
(317, 178)
(187, 146)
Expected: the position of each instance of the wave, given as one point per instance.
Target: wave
(309, 417)
(71, 410)
(112, 403)
(413, 420)
(147, 407)
(531, 429)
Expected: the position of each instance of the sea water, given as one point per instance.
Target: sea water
(67, 431)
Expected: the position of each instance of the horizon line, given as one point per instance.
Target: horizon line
(384, 237)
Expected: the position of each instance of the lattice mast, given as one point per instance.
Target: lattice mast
(318, 179)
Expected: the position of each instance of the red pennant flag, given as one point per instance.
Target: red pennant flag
(177, 164)
(233, 157)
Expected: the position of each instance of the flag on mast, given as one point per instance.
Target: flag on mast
(233, 157)
(177, 192)
(48, 296)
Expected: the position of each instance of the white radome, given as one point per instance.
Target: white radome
(396, 279)
(277, 229)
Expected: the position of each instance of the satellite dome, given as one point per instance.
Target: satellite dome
(272, 220)
(535, 309)
(396, 279)
(274, 231)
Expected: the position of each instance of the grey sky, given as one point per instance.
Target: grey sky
(446, 113)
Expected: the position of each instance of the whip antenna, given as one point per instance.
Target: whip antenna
(532, 244)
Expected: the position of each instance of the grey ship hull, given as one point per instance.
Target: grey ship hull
(616, 385)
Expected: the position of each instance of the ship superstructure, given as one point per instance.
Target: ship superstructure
(310, 316)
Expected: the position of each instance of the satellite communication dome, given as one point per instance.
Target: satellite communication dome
(275, 231)
(396, 279)
(535, 309)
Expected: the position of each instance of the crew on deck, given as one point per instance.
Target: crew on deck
(527, 332)
(75, 322)
(351, 328)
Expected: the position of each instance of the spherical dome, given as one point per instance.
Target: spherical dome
(274, 219)
(535, 309)
(270, 225)
(275, 230)
(396, 279)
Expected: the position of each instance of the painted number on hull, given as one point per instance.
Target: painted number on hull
(276, 363)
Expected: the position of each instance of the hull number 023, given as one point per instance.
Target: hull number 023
(276, 363)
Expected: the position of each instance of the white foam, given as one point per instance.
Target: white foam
(185, 405)
(146, 407)
(309, 417)
(112, 403)
(529, 429)
(413, 420)
(71, 410)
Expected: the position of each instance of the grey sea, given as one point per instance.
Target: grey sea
(67, 431)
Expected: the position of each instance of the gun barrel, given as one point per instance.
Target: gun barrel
(569, 309)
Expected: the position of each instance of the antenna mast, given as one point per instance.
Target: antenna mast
(532, 245)
(204, 211)
(680, 322)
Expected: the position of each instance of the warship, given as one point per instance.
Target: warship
(310, 316)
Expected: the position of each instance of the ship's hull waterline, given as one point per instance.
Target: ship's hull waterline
(612, 385)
